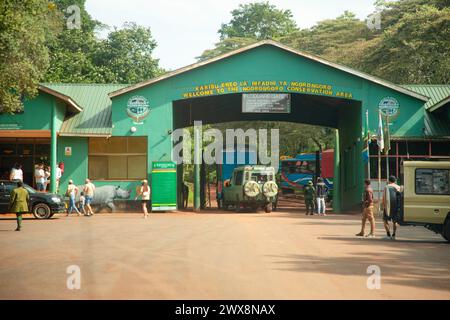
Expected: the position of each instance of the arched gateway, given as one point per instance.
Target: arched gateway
(113, 133)
(321, 92)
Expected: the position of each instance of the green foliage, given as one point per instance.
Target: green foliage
(78, 56)
(259, 20)
(249, 24)
(414, 49)
(225, 46)
(26, 26)
(126, 55)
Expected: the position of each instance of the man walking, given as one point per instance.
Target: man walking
(390, 207)
(309, 198)
(72, 192)
(89, 190)
(18, 203)
(321, 192)
(367, 211)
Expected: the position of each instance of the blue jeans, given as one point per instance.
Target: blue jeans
(72, 204)
(39, 186)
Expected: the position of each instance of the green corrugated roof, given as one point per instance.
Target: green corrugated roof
(436, 120)
(436, 93)
(95, 119)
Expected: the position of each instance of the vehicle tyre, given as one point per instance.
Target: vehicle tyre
(446, 230)
(42, 211)
(268, 208)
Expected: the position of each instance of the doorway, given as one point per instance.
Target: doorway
(25, 151)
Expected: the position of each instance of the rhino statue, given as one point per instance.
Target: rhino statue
(104, 196)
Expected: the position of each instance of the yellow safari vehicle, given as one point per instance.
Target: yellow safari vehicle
(426, 196)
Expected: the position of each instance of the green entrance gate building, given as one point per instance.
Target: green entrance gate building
(115, 138)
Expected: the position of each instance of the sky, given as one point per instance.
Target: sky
(183, 29)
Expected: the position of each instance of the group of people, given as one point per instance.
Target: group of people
(315, 204)
(390, 213)
(84, 200)
(315, 198)
(20, 198)
(41, 175)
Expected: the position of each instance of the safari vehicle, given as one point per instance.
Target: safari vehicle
(426, 196)
(251, 187)
(42, 205)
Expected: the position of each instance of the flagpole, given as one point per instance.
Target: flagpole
(387, 148)
(379, 179)
(381, 146)
(368, 143)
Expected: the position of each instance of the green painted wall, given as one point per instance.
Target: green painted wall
(37, 114)
(76, 165)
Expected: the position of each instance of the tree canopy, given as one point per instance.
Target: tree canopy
(37, 45)
(78, 55)
(26, 26)
(259, 20)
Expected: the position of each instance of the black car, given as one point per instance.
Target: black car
(42, 205)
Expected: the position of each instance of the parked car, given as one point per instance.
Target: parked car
(251, 187)
(42, 205)
(426, 196)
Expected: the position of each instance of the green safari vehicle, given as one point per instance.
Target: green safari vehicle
(251, 187)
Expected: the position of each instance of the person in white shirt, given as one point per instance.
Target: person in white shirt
(144, 192)
(16, 173)
(39, 176)
(82, 203)
(58, 177)
(46, 177)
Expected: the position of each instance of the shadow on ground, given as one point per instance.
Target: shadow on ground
(403, 262)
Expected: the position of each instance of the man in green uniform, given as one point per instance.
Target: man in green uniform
(18, 203)
(309, 198)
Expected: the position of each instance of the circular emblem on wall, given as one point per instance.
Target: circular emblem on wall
(138, 108)
(389, 106)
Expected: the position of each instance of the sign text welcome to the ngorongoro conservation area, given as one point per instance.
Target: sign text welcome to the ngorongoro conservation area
(265, 86)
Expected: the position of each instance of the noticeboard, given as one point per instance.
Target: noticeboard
(164, 186)
(266, 103)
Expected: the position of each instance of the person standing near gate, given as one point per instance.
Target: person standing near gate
(18, 203)
(309, 198)
(367, 211)
(89, 190)
(390, 211)
(321, 192)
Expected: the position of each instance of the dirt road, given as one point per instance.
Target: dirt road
(282, 255)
